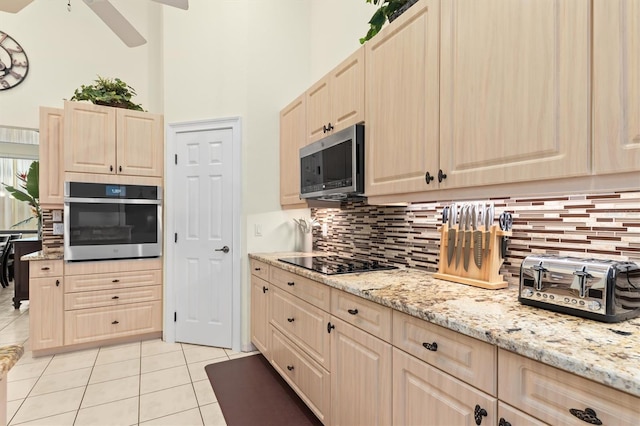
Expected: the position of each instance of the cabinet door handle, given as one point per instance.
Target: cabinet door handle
(115, 281)
(588, 415)
(46, 268)
(291, 319)
(57, 283)
(330, 327)
(478, 414)
(329, 127)
(431, 346)
(110, 168)
(353, 311)
(256, 269)
(290, 367)
(115, 322)
(291, 283)
(115, 297)
(503, 422)
(428, 178)
(119, 168)
(441, 176)
(264, 289)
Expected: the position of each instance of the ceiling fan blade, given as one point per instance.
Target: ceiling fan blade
(13, 6)
(180, 4)
(117, 22)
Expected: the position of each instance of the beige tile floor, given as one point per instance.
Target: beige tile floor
(141, 383)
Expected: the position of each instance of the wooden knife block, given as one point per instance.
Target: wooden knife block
(488, 276)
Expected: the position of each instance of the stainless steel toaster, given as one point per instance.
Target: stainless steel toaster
(603, 290)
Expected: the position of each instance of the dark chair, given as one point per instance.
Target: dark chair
(7, 260)
(4, 246)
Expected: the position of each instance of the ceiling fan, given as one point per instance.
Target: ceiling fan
(108, 13)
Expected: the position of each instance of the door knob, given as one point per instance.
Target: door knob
(224, 249)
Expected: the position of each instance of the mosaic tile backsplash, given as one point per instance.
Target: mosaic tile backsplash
(605, 226)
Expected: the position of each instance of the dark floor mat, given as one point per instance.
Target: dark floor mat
(251, 392)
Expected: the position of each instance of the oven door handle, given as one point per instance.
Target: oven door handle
(69, 200)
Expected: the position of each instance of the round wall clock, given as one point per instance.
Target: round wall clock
(14, 64)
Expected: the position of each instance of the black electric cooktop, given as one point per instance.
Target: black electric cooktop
(332, 265)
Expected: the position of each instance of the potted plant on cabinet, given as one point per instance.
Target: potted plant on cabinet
(107, 91)
(388, 10)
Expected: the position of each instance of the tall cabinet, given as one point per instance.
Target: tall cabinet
(292, 138)
(616, 85)
(51, 157)
(402, 84)
(514, 91)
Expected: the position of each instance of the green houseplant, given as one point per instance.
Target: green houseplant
(29, 192)
(108, 91)
(388, 10)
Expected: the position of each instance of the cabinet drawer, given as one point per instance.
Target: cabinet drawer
(510, 415)
(88, 325)
(306, 377)
(464, 357)
(114, 280)
(424, 395)
(96, 299)
(303, 323)
(364, 314)
(113, 266)
(308, 290)
(46, 268)
(260, 269)
(549, 394)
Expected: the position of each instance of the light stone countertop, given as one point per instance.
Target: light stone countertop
(595, 350)
(40, 255)
(9, 356)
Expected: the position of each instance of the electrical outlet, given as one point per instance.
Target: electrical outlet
(58, 228)
(57, 215)
(257, 230)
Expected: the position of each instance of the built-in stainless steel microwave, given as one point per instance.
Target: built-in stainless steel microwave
(112, 221)
(333, 167)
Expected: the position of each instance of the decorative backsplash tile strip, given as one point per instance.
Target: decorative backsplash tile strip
(50, 243)
(605, 226)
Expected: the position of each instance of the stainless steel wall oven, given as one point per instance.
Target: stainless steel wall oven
(104, 221)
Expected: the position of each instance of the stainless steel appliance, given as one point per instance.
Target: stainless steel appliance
(333, 168)
(603, 290)
(105, 221)
(333, 265)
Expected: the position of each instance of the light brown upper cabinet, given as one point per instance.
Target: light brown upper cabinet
(514, 91)
(292, 138)
(51, 154)
(107, 140)
(337, 100)
(616, 85)
(402, 87)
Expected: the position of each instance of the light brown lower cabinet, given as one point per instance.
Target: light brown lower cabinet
(561, 398)
(308, 378)
(360, 377)
(46, 295)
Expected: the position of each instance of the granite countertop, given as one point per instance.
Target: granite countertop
(40, 255)
(9, 356)
(605, 353)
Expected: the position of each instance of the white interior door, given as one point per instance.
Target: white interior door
(203, 211)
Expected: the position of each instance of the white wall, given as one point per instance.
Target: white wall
(67, 49)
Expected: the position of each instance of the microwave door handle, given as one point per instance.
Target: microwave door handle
(72, 200)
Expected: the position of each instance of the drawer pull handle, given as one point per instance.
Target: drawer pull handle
(290, 283)
(115, 281)
(431, 346)
(256, 269)
(46, 268)
(478, 414)
(330, 327)
(115, 322)
(291, 319)
(503, 422)
(264, 289)
(115, 297)
(290, 367)
(588, 415)
(353, 311)
(57, 283)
